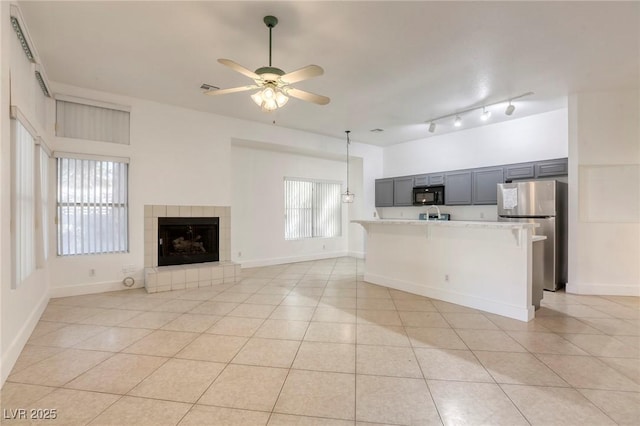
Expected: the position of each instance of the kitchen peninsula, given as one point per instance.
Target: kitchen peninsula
(482, 265)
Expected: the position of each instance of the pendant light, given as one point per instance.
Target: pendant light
(348, 197)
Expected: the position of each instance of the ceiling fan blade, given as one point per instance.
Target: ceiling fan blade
(307, 96)
(305, 73)
(239, 68)
(232, 90)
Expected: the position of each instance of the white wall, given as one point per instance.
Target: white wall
(257, 212)
(20, 307)
(604, 193)
(536, 137)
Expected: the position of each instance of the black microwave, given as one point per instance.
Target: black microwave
(428, 195)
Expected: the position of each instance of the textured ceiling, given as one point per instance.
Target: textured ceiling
(389, 65)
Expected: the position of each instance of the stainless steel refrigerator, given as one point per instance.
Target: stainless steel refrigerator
(543, 202)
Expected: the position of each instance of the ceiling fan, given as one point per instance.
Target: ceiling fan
(273, 83)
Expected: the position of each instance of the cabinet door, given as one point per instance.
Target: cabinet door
(403, 191)
(559, 167)
(384, 192)
(457, 188)
(421, 180)
(436, 179)
(485, 185)
(519, 171)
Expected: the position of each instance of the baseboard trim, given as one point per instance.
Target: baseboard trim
(507, 310)
(356, 254)
(10, 356)
(290, 259)
(604, 289)
(91, 288)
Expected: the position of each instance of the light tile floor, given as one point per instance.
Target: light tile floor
(312, 344)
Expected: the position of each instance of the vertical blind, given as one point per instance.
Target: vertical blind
(23, 203)
(312, 209)
(81, 121)
(92, 206)
(42, 207)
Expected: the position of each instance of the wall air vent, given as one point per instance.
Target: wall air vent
(376, 130)
(208, 87)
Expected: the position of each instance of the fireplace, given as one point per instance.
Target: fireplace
(184, 240)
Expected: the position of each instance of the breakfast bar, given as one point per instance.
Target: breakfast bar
(482, 265)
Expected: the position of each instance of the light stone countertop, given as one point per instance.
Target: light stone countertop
(449, 223)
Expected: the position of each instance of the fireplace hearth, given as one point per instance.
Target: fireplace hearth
(186, 240)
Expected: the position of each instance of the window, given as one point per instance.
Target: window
(97, 122)
(23, 202)
(92, 205)
(312, 209)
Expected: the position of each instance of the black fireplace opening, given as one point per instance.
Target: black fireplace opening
(184, 240)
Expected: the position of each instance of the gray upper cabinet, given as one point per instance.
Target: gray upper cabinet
(559, 167)
(436, 179)
(421, 180)
(384, 192)
(465, 187)
(519, 171)
(457, 187)
(403, 191)
(485, 185)
(429, 179)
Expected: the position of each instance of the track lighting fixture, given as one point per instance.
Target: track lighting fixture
(485, 113)
(510, 109)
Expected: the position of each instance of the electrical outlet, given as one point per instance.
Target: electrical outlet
(92, 272)
(239, 254)
(481, 215)
(401, 214)
(375, 214)
(446, 277)
(324, 247)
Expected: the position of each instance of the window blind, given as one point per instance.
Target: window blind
(23, 203)
(92, 206)
(42, 207)
(82, 121)
(312, 209)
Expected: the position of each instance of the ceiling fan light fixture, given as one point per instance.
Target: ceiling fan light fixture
(270, 98)
(269, 105)
(281, 99)
(257, 98)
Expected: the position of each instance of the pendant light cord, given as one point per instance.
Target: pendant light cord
(348, 143)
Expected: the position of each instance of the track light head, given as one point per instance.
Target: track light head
(432, 127)
(510, 109)
(458, 121)
(485, 114)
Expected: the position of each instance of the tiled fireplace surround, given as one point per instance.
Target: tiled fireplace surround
(180, 277)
